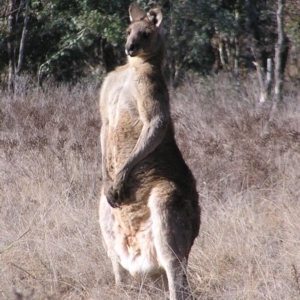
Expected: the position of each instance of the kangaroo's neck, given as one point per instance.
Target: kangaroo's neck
(137, 61)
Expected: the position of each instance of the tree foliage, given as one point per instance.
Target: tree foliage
(68, 40)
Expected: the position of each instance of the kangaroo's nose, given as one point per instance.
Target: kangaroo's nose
(131, 49)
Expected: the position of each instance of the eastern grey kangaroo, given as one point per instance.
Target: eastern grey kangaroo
(149, 211)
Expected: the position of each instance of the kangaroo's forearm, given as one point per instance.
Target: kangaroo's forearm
(151, 136)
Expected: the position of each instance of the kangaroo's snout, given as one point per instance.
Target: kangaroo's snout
(131, 49)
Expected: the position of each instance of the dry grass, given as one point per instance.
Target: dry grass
(248, 172)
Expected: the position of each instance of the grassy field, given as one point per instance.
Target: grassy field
(247, 165)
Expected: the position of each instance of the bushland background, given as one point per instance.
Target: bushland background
(69, 40)
(244, 153)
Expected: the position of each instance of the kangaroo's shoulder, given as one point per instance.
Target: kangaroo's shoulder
(117, 73)
(150, 77)
(115, 78)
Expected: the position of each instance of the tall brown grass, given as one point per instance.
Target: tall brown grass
(247, 164)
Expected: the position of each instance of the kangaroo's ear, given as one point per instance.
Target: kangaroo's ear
(136, 13)
(155, 15)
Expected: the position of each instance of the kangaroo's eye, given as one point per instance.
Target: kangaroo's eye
(128, 31)
(146, 35)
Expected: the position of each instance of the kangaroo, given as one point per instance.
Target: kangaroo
(149, 210)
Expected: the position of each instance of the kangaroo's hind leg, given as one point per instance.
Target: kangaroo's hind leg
(173, 237)
(107, 223)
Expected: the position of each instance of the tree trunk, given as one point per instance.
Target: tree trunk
(10, 44)
(222, 54)
(236, 44)
(268, 80)
(236, 59)
(251, 31)
(279, 54)
(23, 38)
(264, 80)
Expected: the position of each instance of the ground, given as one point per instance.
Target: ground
(246, 161)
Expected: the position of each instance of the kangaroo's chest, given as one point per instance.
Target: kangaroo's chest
(125, 125)
(123, 101)
(124, 119)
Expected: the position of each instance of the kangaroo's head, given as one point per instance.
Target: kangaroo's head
(143, 34)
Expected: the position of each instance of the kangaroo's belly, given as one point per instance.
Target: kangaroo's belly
(134, 244)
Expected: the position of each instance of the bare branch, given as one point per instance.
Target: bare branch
(23, 38)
